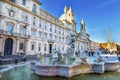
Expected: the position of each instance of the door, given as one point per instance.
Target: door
(8, 46)
(50, 48)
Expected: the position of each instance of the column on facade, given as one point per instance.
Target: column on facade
(3, 23)
(42, 45)
(27, 47)
(17, 46)
(3, 43)
(14, 47)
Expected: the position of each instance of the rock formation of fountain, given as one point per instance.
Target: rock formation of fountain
(70, 64)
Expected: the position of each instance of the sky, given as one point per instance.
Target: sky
(97, 14)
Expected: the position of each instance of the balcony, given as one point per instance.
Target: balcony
(24, 36)
(51, 41)
(8, 33)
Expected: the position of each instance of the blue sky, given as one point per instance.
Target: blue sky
(98, 14)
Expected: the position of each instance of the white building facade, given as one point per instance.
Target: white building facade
(26, 28)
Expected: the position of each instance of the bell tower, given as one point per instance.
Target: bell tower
(65, 9)
(70, 15)
(82, 29)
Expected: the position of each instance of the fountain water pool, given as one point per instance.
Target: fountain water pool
(25, 73)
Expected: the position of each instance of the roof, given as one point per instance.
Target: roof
(38, 2)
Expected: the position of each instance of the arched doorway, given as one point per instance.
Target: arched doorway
(8, 46)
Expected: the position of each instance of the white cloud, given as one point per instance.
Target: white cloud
(107, 2)
(97, 29)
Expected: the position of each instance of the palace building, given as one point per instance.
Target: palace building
(26, 28)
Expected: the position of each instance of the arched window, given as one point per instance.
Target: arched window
(34, 8)
(24, 2)
(13, 1)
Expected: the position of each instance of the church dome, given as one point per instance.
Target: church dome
(63, 17)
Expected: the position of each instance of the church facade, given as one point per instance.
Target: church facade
(26, 28)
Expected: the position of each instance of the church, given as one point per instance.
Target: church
(28, 29)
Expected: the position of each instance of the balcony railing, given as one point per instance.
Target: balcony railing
(24, 36)
(8, 33)
(51, 41)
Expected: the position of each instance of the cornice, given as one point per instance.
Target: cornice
(39, 3)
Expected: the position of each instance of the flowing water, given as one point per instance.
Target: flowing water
(25, 73)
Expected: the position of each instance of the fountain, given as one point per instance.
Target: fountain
(70, 64)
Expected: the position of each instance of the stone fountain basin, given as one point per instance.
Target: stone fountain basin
(111, 65)
(72, 70)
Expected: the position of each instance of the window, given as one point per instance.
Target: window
(45, 27)
(33, 32)
(55, 37)
(39, 47)
(39, 23)
(60, 39)
(13, 1)
(62, 33)
(39, 35)
(59, 31)
(21, 46)
(24, 2)
(50, 29)
(34, 8)
(34, 19)
(50, 36)
(32, 47)
(63, 39)
(11, 13)
(10, 28)
(34, 23)
(45, 35)
(69, 14)
(45, 48)
(26, 18)
(22, 30)
(55, 30)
